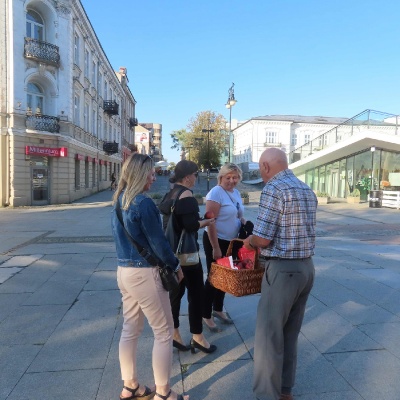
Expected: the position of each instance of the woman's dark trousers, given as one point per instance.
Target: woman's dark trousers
(213, 298)
(193, 282)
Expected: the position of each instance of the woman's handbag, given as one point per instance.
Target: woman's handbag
(170, 232)
(185, 245)
(186, 251)
(169, 278)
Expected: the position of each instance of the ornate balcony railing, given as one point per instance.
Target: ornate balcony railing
(110, 147)
(133, 122)
(42, 51)
(43, 123)
(110, 107)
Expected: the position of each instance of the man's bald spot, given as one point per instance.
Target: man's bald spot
(276, 158)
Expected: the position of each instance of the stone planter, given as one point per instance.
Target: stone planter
(200, 200)
(353, 200)
(245, 200)
(323, 200)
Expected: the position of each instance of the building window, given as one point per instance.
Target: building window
(93, 174)
(34, 25)
(77, 119)
(94, 123)
(270, 137)
(100, 84)
(86, 64)
(86, 174)
(94, 74)
(307, 138)
(35, 99)
(105, 91)
(76, 50)
(293, 141)
(86, 117)
(322, 140)
(77, 175)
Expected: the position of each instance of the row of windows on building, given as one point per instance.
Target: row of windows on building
(379, 170)
(103, 128)
(92, 120)
(86, 176)
(91, 71)
(272, 137)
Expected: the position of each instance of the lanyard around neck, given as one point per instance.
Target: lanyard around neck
(235, 204)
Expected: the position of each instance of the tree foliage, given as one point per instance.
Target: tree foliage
(205, 148)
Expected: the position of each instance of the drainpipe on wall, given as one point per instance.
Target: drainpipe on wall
(5, 197)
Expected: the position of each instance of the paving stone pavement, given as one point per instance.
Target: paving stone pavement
(60, 310)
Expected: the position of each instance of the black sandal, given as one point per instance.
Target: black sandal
(147, 395)
(180, 397)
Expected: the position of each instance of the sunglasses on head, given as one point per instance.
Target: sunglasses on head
(146, 158)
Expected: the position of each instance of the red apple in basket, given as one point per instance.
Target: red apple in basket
(241, 265)
(209, 215)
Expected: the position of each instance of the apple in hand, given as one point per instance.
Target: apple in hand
(209, 215)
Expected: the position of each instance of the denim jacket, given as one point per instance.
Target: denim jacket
(143, 222)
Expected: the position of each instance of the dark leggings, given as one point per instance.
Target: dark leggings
(193, 281)
(213, 298)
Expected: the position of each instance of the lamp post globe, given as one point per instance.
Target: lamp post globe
(208, 131)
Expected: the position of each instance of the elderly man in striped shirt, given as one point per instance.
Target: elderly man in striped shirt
(285, 234)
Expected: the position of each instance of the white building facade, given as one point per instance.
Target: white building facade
(67, 119)
(286, 132)
(332, 155)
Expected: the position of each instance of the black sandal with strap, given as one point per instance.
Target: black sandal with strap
(147, 395)
(180, 397)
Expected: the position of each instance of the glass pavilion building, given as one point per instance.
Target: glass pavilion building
(361, 153)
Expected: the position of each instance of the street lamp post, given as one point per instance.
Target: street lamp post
(229, 104)
(189, 147)
(208, 155)
(372, 167)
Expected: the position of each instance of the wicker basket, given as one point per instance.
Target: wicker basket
(240, 282)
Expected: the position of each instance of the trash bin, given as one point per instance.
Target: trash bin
(375, 198)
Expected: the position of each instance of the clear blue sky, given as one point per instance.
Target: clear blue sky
(304, 57)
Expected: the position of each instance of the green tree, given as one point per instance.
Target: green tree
(178, 139)
(206, 148)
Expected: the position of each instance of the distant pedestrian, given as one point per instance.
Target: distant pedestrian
(113, 181)
(285, 234)
(143, 295)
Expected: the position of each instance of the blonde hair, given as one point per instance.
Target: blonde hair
(227, 169)
(133, 178)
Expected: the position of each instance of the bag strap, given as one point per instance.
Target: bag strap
(171, 215)
(179, 248)
(141, 250)
(177, 198)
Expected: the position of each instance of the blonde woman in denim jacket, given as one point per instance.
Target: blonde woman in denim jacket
(143, 295)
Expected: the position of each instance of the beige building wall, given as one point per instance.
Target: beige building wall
(84, 105)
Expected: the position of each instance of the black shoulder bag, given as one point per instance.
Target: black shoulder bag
(168, 277)
(185, 244)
